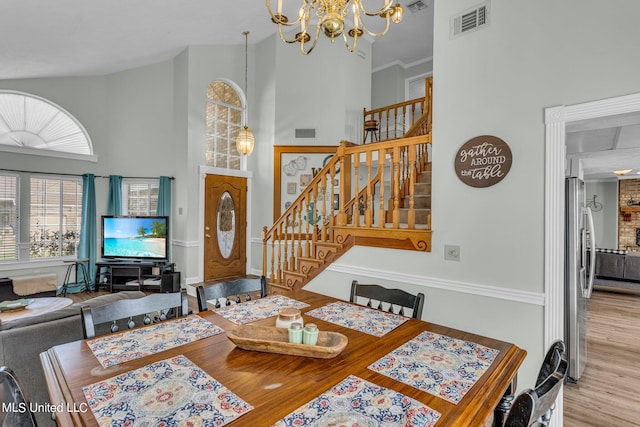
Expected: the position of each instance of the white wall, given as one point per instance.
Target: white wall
(494, 81)
(497, 81)
(388, 83)
(128, 116)
(605, 221)
(150, 121)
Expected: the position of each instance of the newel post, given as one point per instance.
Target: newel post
(345, 183)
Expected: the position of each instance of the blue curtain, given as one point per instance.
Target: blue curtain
(164, 204)
(114, 204)
(88, 229)
(164, 197)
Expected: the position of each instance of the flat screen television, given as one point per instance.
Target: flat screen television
(135, 237)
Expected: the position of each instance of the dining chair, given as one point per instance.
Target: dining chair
(533, 407)
(145, 310)
(393, 297)
(16, 411)
(234, 288)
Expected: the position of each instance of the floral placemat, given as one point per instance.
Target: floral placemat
(170, 392)
(363, 319)
(119, 348)
(440, 365)
(358, 403)
(258, 309)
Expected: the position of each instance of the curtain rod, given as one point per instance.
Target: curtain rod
(75, 174)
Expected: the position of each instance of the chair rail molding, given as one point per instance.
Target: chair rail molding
(497, 292)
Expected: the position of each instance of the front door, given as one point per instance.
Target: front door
(225, 226)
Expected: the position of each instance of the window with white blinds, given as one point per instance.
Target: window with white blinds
(9, 217)
(56, 214)
(140, 198)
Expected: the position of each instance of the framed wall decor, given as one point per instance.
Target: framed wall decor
(292, 162)
(291, 188)
(483, 161)
(305, 179)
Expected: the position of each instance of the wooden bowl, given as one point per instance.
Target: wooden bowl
(276, 340)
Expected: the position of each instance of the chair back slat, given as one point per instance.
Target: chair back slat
(393, 297)
(240, 289)
(12, 395)
(162, 303)
(535, 406)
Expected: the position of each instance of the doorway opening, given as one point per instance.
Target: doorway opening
(556, 121)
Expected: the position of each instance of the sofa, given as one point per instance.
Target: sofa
(7, 291)
(617, 269)
(22, 341)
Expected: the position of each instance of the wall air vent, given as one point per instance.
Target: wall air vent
(305, 133)
(470, 20)
(416, 6)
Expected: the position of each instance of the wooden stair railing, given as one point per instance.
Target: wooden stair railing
(314, 229)
(402, 119)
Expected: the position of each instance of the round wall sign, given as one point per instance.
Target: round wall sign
(483, 161)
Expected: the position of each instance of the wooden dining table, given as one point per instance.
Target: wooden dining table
(277, 384)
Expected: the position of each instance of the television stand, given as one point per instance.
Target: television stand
(120, 275)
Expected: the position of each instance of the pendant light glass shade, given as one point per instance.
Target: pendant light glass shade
(245, 141)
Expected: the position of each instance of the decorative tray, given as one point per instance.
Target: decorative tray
(14, 305)
(276, 340)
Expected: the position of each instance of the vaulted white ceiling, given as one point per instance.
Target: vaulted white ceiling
(45, 38)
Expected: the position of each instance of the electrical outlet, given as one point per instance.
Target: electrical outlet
(452, 252)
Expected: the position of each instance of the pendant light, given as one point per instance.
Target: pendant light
(245, 140)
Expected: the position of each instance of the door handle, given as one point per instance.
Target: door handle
(208, 236)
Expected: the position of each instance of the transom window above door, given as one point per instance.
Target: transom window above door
(224, 121)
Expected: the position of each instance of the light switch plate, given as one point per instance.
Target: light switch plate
(452, 252)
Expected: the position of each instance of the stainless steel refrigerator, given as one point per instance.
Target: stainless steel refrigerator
(579, 270)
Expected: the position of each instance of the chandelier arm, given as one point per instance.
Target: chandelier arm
(383, 9)
(346, 42)
(285, 39)
(277, 21)
(315, 41)
(381, 33)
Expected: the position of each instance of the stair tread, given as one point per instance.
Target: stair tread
(329, 244)
(311, 260)
(294, 273)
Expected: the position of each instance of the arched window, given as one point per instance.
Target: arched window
(224, 121)
(34, 125)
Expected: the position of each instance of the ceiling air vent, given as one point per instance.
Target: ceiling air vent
(305, 133)
(470, 20)
(416, 6)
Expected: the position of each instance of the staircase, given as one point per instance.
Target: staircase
(392, 209)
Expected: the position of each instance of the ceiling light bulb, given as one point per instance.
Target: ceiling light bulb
(622, 172)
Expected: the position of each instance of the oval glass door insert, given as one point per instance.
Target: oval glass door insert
(226, 224)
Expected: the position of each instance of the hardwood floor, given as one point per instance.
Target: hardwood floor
(607, 395)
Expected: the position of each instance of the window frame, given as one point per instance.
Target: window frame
(243, 120)
(47, 151)
(61, 241)
(127, 182)
(16, 232)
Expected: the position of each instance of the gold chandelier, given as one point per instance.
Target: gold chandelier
(332, 18)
